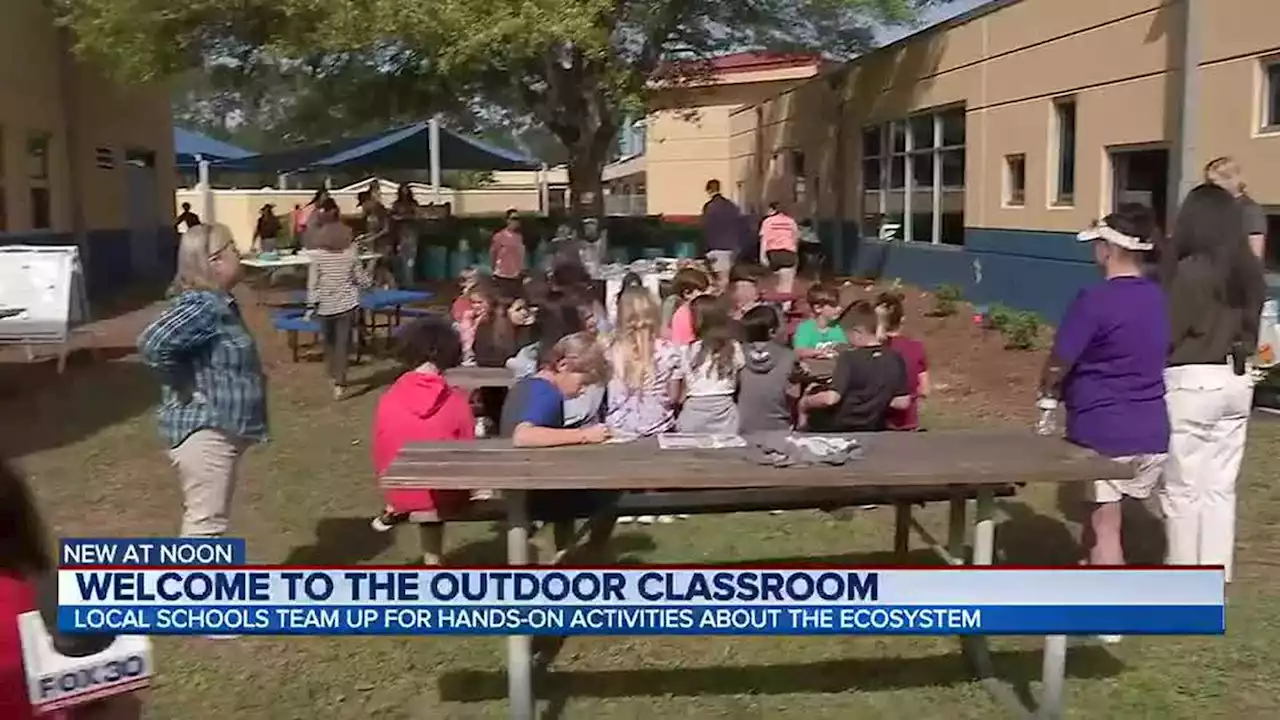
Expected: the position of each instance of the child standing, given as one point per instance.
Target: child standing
(1108, 364)
(820, 336)
(335, 277)
(889, 307)
(869, 379)
(767, 383)
(688, 283)
(710, 367)
(780, 246)
(422, 407)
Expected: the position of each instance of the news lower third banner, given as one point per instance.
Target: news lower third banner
(156, 588)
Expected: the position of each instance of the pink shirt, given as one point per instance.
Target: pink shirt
(507, 253)
(779, 232)
(682, 326)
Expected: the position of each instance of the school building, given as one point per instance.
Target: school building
(82, 160)
(983, 144)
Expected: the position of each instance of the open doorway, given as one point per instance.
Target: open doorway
(1141, 174)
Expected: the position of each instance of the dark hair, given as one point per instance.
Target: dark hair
(1210, 227)
(363, 195)
(746, 272)
(570, 277)
(329, 205)
(404, 192)
(893, 310)
(714, 328)
(23, 547)
(496, 336)
(320, 195)
(822, 294)
(557, 317)
(760, 324)
(186, 206)
(689, 280)
(512, 214)
(859, 316)
(429, 339)
(713, 186)
(775, 205)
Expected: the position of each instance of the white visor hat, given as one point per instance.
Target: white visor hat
(1102, 231)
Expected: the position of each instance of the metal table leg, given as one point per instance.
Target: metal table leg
(1053, 676)
(519, 647)
(984, 537)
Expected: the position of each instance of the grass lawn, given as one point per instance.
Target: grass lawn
(89, 445)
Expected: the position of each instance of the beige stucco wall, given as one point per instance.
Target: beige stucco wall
(1006, 68)
(36, 97)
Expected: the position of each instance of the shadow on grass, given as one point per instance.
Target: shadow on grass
(341, 541)
(826, 677)
(492, 550)
(45, 410)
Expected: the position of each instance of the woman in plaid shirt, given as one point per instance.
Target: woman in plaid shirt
(213, 400)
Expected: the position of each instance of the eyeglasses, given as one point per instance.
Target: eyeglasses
(222, 250)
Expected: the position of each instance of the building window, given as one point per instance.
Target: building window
(914, 178)
(1015, 180)
(1271, 95)
(1064, 186)
(38, 181)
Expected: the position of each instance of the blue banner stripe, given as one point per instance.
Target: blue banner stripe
(646, 620)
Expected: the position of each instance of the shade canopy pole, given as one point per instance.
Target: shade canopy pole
(433, 139)
(206, 190)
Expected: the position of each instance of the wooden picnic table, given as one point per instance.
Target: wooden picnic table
(969, 463)
(474, 378)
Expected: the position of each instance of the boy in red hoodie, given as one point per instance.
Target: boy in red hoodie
(422, 407)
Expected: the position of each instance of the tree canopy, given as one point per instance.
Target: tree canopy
(575, 67)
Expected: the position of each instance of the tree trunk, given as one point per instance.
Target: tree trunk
(586, 187)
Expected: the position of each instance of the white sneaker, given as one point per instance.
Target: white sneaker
(626, 519)
(776, 512)
(481, 494)
(646, 519)
(1110, 639)
(665, 519)
(682, 516)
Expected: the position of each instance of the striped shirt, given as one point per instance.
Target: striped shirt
(209, 365)
(334, 281)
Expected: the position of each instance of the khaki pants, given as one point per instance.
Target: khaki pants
(208, 463)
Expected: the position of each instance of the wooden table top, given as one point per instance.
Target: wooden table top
(966, 458)
(472, 378)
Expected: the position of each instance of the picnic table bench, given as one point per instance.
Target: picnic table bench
(899, 468)
(471, 377)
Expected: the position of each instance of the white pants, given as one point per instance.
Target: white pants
(208, 464)
(1209, 409)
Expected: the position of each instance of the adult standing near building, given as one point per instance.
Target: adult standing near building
(723, 231)
(186, 219)
(1227, 174)
(780, 246)
(213, 402)
(506, 254)
(1215, 288)
(404, 216)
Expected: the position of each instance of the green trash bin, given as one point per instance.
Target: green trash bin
(686, 250)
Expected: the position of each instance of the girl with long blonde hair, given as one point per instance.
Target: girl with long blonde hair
(646, 380)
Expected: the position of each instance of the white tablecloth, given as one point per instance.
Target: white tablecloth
(302, 258)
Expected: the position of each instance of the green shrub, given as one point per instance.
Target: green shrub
(1000, 317)
(1022, 331)
(945, 300)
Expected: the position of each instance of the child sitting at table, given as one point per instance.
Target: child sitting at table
(820, 336)
(890, 310)
(744, 288)
(482, 301)
(767, 384)
(421, 407)
(558, 317)
(645, 380)
(710, 367)
(470, 279)
(534, 417)
(869, 379)
(688, 283)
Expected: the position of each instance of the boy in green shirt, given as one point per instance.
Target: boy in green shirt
(820, 336)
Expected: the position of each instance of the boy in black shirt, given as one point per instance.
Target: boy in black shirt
(869, 379)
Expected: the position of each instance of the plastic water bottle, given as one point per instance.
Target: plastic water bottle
(482, 427)
(1047, 422)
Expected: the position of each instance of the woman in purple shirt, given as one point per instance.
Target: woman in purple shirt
(1107, 365)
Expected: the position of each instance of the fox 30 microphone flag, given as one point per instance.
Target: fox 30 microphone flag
(120, 587)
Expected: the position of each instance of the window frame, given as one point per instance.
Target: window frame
(907, 156)
(38, 181)
(1064, 162)
(1007, 196)
(1269, 95)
